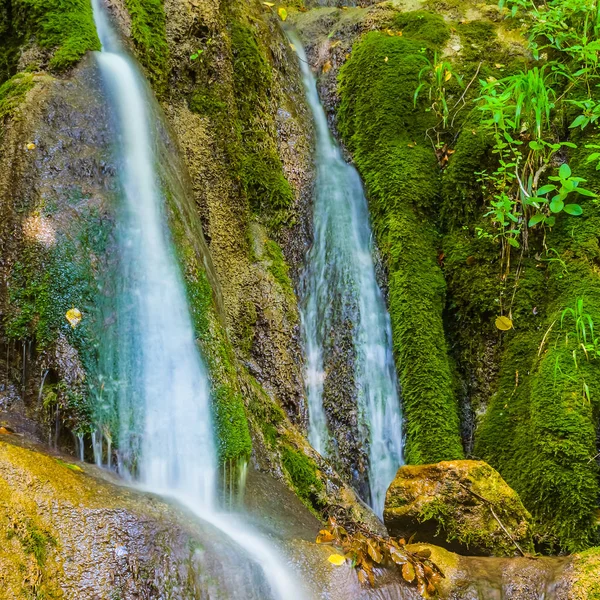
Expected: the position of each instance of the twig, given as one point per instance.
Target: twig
(462, 97)
(544, 338)
(510, 537)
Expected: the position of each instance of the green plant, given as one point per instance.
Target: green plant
(434, 78)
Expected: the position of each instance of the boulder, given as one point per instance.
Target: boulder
(463, 505)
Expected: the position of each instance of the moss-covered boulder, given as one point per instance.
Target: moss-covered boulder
(584, 576)
(462, 505)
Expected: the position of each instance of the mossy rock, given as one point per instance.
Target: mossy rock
(463, 505)
(585, 576)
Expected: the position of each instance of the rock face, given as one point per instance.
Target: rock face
(462, 505)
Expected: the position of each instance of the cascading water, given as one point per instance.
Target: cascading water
(340, 286)
(163, 398)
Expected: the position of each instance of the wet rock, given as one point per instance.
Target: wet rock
(464, 506)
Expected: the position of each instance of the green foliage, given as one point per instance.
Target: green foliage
(433, 78)
(261, 173)
(229, 412)
(64, 27)
(384, 130)
(279, 268)
(149, 36)
(302, 473)
(13, 91)
(422, 25)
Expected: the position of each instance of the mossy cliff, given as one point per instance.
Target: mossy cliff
(381, 127)
(528, 405)
(39, 33)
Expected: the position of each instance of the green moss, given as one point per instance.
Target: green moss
(541, 398)
(229, 413)
(261, 172)
(149, 36)
(586, 584)
(386, 135)
(64, 27)
(423, 25)
(267, 415)
(303, 475)
(33, 540)
(279, 268)
(13, 91)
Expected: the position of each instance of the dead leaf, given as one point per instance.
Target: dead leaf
(5, 431)
(327, 67)
(504, 323)
(30, 146)
(408, 572)
(337, 559)
(325, 537)
(74, 317)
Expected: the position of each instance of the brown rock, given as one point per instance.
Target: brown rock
(463, 505)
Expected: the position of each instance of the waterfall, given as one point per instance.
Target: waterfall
(163, 400)
(340, 286)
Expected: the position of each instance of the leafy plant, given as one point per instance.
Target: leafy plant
(433, 80)
(365, 551)
(586, 340)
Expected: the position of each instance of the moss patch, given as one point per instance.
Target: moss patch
(262, 177)
(302, 473)
(149, 36)
(385, 133)
(63, 27)
(13, 91)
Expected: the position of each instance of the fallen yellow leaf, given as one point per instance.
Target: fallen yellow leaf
(386, 59)
(504, 323)
(283, 14)
(327, 67)
(30, 146)
(337, 559)
(269, 4)
(74, 317)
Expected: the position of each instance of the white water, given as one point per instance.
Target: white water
(164, 411)
(340, 266)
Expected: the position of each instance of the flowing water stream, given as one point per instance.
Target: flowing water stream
(340, 289)
(164, 412)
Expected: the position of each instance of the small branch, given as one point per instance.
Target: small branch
(538, 174)
(544, 338)
(462, 97)
(489, 504)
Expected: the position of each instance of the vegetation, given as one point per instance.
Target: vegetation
(63, 28)
(367, 551)
(149, 36)
(384, 130)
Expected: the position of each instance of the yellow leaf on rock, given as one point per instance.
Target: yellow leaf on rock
(504, 323)
(283, 14)
(30, 146)
(74, 317)
(327, 67)
(70, 466)
(408, 572)
(337, 560)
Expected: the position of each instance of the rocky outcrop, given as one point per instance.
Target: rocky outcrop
(462, 505)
